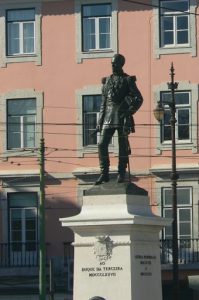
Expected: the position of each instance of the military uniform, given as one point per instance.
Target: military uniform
(120, 100)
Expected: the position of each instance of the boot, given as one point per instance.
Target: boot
(104, 177)
(121, 177)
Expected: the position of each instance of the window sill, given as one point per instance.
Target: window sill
(24, 152)
(97, 51)
(166, 50)
(95, 54)
(179, 146)
(22, 58)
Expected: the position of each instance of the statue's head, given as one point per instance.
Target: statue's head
(118, 61)
(97, 298)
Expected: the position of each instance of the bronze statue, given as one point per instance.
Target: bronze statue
(120, 100)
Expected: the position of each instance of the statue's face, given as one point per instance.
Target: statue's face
(117, 64)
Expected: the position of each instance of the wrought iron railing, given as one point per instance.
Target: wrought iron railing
(20, 254)
(188, 251)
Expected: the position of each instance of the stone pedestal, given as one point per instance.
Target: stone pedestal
(117, 253)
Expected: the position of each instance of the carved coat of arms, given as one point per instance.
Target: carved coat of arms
(103, 248)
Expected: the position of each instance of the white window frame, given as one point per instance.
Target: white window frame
(97, 116)
(21, 37)
(21, 94)
(172, 49)
(188, 178)
(23, 219)
(35, 57)
(179, 208)
(98, 53)
(97, 32)
(22, 126)
(18, 185)
(181, 144)
(178, 108)
(174, 16)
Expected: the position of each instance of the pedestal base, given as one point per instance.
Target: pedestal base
(117, 254)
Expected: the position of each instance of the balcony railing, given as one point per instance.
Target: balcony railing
(20, 254)
(188, 251)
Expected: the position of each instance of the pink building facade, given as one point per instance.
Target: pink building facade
(53, 55)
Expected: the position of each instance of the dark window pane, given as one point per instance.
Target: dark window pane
(168, 38)
(167, 117)
(104, 25)
(21, 15)
(22, 200)
(16, 225)
(28, 37)
(182, 98)
(21, 107)
(167, 133)
(91, 103)
(30, 224)
(168, 23)
(182, 22)
(185, 215)
(104, 41)
(183, 116)
(13, 39)
(96, 10)
(174, 6)
(90, 123)
(168, 197)
(166, 97)
(91, 106)
(185, 229)
(89, 34)
(182, 37)
(183, 196)
(183, 132)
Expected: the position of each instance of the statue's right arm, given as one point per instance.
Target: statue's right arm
(102, 109)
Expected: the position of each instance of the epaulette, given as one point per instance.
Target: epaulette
(104, 80)
(133, 78)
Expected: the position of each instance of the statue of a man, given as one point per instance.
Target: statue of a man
(120, 100)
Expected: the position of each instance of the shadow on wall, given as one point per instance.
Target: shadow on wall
(68, 7)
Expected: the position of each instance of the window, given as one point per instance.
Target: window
(174, 27)
(183, 117)
(21, 120)
(184, 211)
(174, 23)
(20, 31)
(23, 228)
(186, 98)
(91, 108)
(96, 27)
